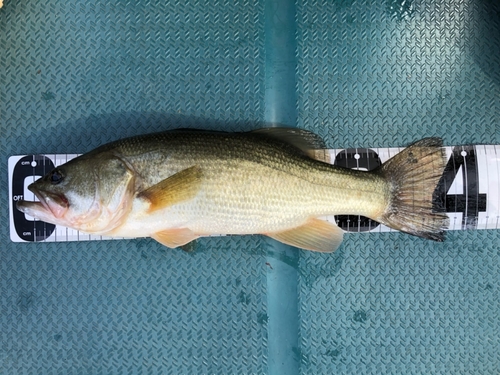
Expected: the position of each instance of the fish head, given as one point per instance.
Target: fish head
(91, 194)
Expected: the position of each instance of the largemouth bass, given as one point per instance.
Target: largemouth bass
(179, 185)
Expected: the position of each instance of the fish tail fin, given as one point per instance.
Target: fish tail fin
(412, 177)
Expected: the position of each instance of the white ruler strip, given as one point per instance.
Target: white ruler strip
(470, 190)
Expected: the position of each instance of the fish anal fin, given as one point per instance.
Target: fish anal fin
(309, 143)
(179, 187)
(316, 235)
(175, 237)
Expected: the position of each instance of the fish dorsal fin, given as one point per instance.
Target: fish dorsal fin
(179, 187)
(308, 142)
(316, 235)
(175, 237)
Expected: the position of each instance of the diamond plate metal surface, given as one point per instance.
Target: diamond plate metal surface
(74, 75)
(387, 73)
(381, 73)
(133, 307)
(389, 304)
(105, 69)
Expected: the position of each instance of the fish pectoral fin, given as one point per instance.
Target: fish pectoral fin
(316, 235)
(175, 237)
(179, 187)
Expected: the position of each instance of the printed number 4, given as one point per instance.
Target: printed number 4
(470, 202)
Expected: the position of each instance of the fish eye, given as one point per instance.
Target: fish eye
(55, 176)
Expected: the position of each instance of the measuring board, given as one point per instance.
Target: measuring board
(469, 188)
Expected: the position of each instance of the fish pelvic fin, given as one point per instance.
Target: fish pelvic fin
(179, 187)
(316, 235)
(176, 237)
(412, 177)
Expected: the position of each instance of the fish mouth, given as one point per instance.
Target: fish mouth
(51, 204)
